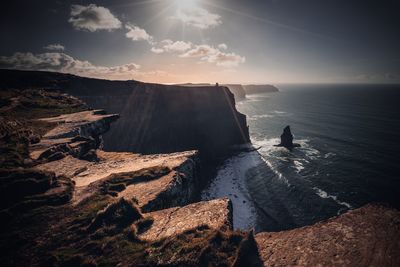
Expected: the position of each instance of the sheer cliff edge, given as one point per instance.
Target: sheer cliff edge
(159, 118)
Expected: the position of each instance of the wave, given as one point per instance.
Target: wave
(280, 112)
(324, 194)
(273, 114)
(329, 155)
(298, 166)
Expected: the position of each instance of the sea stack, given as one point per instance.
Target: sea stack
(287, 139)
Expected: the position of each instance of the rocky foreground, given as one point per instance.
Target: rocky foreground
(65, 202)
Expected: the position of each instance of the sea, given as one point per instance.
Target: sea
(349, 156)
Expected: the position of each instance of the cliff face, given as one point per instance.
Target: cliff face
(68, 209)
(259, 89)
(154, 118)
(164, 119)
(237, 90)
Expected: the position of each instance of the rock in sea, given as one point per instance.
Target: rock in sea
(287, 139)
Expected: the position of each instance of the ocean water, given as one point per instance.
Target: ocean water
(349, 155)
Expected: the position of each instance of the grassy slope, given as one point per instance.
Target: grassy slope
(19, 110)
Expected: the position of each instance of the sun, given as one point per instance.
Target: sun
(186, 3)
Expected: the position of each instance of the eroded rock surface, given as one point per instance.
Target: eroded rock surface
(175, 186)
(169, 222)
(368, 236)
(75, 134)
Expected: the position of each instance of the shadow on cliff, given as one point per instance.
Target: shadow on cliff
(155, 118)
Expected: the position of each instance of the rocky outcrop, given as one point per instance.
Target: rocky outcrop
(159, 118)
(368, 236)
(259, 89)
(287, 139)
(216, 214)
(76, 134)
(174, 185)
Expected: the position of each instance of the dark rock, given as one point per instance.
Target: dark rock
(34, 138)
(17, 184)
(91, 155)
(56, 156)
(287, 139)
(55, 152)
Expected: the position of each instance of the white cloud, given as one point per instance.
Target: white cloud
(172, 47)
(223, 46)
(213, 55)
(62, 62)
(93, 18)
(226, 59)
(157, 50)
(138, 34)
(198, 17)
(200, 51)
(54, 47)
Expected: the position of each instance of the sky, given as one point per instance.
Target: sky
(225, 41)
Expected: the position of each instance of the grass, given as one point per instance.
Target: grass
(102, 231)
(19, 110)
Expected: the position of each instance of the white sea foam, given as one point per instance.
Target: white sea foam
(267, 147)
(256, 117)
(324, 194)
(230, 182)
(298, 165)
(280, 112)
(328, 155)
(310, 152)
(267, 115)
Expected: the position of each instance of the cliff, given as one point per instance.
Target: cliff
(237, 90)
(61, 207)
(158, 118)
(259, 89)
(65, 202)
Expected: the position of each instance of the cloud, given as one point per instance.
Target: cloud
(54, 47)
(62, 62)
(138, 34)
(223, 46)
(93, 18)
(198, 17)
(172, 47)
(157, 50)
(226, 59)
(200, 51)
(213, 55)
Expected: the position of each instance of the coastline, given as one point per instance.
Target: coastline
(145, 203)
